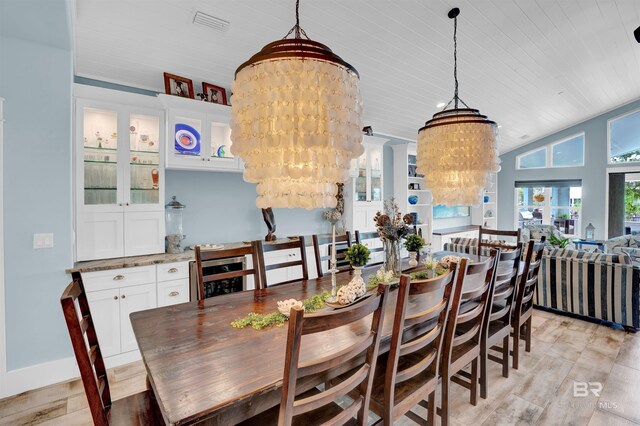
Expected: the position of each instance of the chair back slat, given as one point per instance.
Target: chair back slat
(473, 319)
(297, 243)
(205, 255)
(530, 273)
(362, 379)
(416, 339)
(483, 233)
(87, 351)
(505, 287)
(361, 237)
(342, 241)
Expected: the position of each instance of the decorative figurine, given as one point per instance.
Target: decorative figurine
(270, 220)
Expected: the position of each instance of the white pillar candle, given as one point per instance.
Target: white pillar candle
(333, 245)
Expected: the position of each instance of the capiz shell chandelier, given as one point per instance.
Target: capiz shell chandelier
(296, 117)
(457, 148)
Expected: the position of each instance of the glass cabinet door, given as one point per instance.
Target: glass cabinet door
(361, 178)
(100, 156)
(144, 161)
(375, 160)
(187, 137)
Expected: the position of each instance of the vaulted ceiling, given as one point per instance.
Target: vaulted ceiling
(534, 66)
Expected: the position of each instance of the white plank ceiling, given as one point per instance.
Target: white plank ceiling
(534, 66)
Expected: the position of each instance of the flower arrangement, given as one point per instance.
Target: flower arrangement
(392, 226)
(358, 255)
(430, 263)
(413, 242)
(332, 216)
(381, 276)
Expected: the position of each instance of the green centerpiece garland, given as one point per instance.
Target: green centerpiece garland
(260, 321)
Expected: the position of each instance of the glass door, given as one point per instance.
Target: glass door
(220, 146)
(144, 159)
(361, 178)
(100, 156)
(375, 161)
(187, 138)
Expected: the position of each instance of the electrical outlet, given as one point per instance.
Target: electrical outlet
(41, 241)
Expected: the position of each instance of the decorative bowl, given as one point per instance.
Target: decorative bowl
(413, 199)
(284, 306)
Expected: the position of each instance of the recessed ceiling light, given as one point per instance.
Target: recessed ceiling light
(440, 105)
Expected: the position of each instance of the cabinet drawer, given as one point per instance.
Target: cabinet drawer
(173, 271)
(104, 280)
(173, 292)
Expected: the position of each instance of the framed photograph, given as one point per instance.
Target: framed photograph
(412, 186)
(214, 94)
(178, 86)
(416, 186)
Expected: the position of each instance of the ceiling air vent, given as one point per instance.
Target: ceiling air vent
(524, 137)
(210, 21)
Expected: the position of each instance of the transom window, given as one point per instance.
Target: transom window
(567, 152)
(624, 138)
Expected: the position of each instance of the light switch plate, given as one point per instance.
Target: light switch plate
(41, 241)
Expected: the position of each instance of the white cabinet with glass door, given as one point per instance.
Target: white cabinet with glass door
(364, 192)
(119, 179)
(198, 135)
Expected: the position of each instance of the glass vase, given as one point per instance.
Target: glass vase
(392, 260)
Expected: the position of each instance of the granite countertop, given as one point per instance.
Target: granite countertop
(456, 230)
(153, 259)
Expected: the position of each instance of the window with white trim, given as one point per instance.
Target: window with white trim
(568, 152)
(624, 138)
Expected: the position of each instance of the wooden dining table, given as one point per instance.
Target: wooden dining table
(201, 369)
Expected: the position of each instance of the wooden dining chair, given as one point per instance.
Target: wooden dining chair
(497, 330)
(206, 255)
(317, 407)
(412, 364)
(342, 241)
(485, 239)
(521, 317)
(139, 409)
(298, 243)
(365, 238)
(463, 336)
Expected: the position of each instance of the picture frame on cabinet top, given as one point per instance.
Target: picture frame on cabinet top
(178, 86)
(214, 94)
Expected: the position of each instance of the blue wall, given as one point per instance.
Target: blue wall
(593, 173)
(35, 80)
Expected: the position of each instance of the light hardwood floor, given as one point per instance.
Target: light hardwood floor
(541, 392)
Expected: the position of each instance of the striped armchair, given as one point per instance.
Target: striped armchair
(596, 285)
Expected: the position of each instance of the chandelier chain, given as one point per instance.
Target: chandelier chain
(455, 61)
(297, 29)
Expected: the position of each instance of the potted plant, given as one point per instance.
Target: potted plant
(413, 243)
(358, 256)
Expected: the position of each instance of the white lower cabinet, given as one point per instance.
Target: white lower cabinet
(173, 292)
(134, 299)
(115, 294)
(105, 310)
(276, 276)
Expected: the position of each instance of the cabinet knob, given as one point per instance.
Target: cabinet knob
(115, 297)
(203, 159)
(126, 204)
(172, 270)
(174, 294)
(118, 278)
(123, 296)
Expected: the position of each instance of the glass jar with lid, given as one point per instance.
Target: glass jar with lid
(175, 235)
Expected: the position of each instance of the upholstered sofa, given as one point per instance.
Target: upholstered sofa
(603, 286)
(624, 244)
(596, 285)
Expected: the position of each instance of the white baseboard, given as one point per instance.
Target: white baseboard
(49, 373)
(37, 376)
